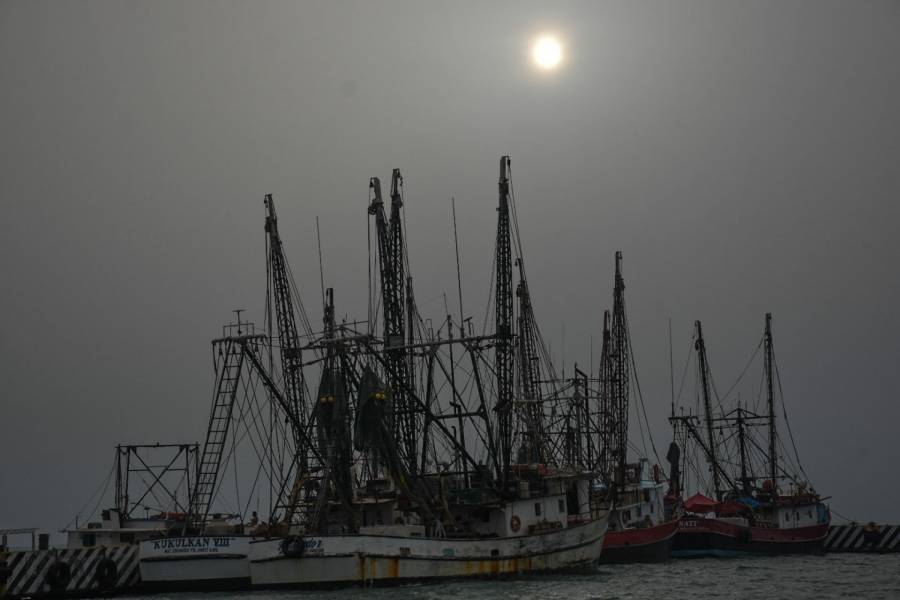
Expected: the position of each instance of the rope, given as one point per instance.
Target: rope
(105, 485)
(746, 367)
(786, 421)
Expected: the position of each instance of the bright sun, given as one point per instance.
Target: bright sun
(547, 52)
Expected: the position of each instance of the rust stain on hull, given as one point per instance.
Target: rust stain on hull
(361, 567)
(394, 568)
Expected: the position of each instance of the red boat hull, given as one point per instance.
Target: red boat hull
(650, 544)
(698, 536)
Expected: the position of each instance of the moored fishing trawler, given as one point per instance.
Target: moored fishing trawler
(529, 534)
(210, 550)
(749, 512)
(640, 528)
(423, 456)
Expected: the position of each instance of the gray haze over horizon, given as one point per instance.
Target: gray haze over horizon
(744, 156)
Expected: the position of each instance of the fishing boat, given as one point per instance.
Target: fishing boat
(640, 528)
(428, 453)
(210, 550)
(763, 503)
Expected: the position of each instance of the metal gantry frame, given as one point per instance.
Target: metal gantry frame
(139, 460)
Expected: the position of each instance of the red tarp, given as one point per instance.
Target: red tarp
(700, 504)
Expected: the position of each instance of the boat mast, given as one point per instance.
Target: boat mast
(742, 442)
(291, 360)
(608, 461)
(770, 397)
(533, 444)
(619, 362)
(503, 309)
(391, 255)
(704, 382)
(332, 415)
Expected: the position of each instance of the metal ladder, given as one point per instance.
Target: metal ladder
(227, 383)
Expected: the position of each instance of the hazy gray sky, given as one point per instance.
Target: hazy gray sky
(743, 155)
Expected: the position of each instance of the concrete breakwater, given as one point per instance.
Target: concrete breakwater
(863, 538)
(69, 572)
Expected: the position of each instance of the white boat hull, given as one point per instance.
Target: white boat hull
(335, 560)
(195, 562)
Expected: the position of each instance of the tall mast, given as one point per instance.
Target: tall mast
(289, 339)
(332, 414)
(503, 301)
(707, 407)
(607, 441)
(770, 397)
(742, 443)
(391, 253)
(533, 443)
(619, 375)
(303, 490)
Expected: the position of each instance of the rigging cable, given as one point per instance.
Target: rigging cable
(104, 485)
(786, 421)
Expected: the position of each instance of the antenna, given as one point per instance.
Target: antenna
(321, 266)
(671, 368)
(238, 312)
(458, 276)
(563, 326)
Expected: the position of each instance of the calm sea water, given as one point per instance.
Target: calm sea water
(833, 576)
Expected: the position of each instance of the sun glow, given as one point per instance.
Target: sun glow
(547, 52)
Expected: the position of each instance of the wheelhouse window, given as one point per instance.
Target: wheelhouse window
(537, 509)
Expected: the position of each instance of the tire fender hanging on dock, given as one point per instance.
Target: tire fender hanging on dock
(106, 573)
(59, 575)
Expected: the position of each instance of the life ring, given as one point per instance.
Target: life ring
(293, 546)
(515, 523)
(107, 573)
(59, 575)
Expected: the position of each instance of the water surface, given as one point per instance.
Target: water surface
(832, 576)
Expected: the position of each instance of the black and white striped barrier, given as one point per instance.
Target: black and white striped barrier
(863, 538)
(70, 572)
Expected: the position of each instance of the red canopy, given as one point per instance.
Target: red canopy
(700, 503)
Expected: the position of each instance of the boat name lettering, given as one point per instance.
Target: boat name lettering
(204, 544)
